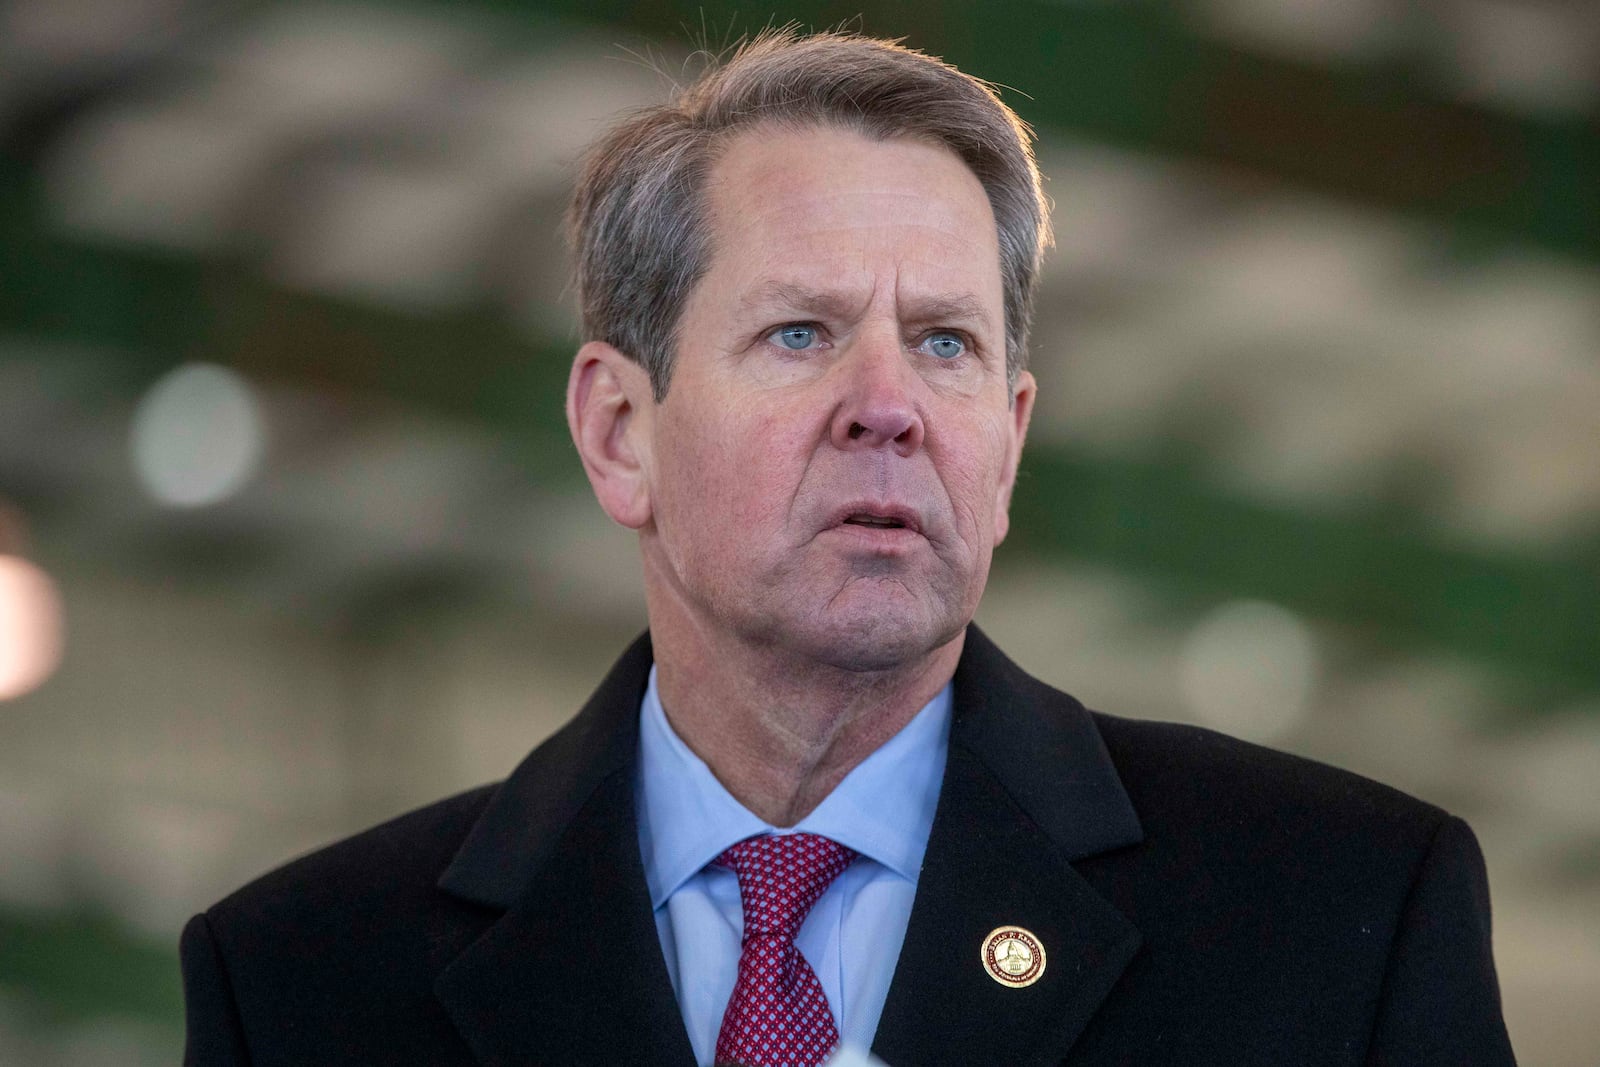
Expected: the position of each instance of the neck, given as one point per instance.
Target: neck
(779, 732)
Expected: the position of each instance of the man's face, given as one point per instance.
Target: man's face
(831, 468)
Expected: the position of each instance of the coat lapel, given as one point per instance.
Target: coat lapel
(1028, 790)
(572, 972)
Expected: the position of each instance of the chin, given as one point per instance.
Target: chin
(870, 640)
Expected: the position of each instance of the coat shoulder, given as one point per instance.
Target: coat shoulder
(395, 862)
(1289, 842)
(331, 958)
(1293, 898)
(1178, 774)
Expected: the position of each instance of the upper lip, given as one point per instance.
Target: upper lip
(905, 516)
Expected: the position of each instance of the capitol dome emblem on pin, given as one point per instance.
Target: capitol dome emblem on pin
(1013, 956)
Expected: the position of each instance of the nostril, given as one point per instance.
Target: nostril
(856, 430)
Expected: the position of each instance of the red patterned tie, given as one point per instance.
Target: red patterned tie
(778, 1015)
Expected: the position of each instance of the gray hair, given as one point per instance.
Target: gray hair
(637, 221)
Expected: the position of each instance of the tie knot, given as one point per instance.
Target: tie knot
(781, 876)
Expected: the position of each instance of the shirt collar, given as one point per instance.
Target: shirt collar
(883, 809)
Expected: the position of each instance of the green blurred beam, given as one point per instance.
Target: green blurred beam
(1135, 74)
(78, 967)
(1538, 619)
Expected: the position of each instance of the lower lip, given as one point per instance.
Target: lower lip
(878, 538)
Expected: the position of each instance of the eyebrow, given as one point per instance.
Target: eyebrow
(937, 309)
(799, 298)
(930, 310)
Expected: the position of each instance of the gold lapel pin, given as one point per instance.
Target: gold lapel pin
(1013, 956)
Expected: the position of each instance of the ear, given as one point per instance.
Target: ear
(1022, 398)
(609, 407)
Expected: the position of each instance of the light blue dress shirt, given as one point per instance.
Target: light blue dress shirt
(883, 809)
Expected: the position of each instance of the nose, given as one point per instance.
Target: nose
(878, 408)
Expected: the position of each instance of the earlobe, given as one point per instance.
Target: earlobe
(608, 411)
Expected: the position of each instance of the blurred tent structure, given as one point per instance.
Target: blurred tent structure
(283, 336)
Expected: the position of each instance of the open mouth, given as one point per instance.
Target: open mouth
(881, 522)
(879, 515)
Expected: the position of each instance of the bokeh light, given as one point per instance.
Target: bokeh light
(30, 627)
(198, 436)
(1249, 668)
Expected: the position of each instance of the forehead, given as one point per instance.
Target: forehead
(828, 209)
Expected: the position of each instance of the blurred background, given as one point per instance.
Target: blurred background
(292, 538)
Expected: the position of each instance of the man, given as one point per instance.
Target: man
(814, 805)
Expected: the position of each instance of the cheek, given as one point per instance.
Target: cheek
(974, 479)
(725, 481)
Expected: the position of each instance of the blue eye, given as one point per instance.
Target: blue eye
(796, 338)
(945, 345)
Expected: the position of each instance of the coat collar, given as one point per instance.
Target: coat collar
(513, 838)
(1028, 790)
(1043, 747)
(572, 972)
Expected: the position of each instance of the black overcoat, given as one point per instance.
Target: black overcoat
(1200, 901)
